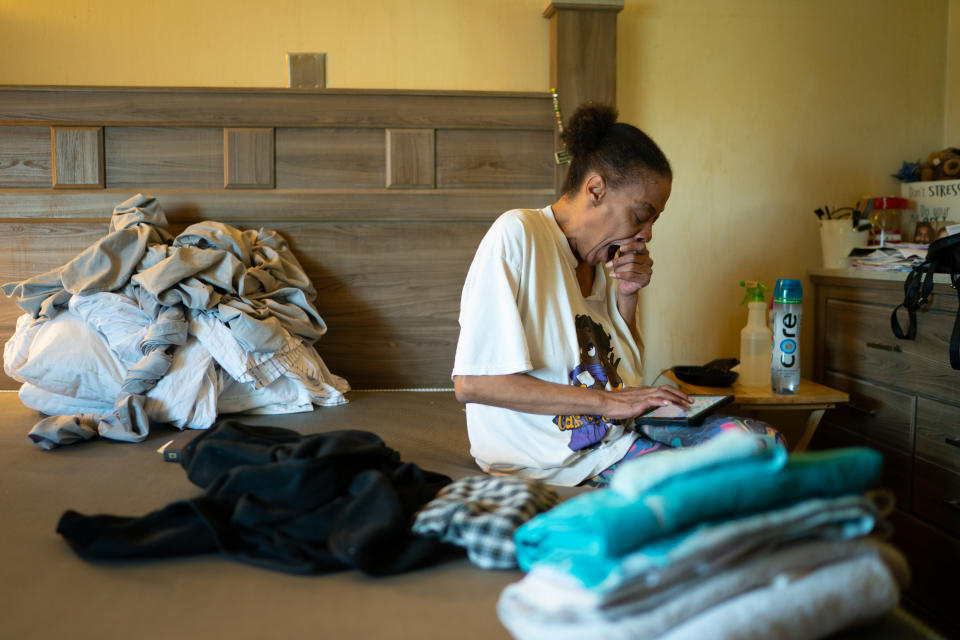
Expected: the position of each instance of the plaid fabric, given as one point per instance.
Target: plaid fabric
(480, 513)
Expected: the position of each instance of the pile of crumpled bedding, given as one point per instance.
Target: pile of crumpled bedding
(145, 327)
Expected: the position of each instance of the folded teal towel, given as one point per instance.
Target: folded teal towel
(709, 547)
(607, 523)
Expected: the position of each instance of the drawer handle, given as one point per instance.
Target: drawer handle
(952, 442)
(867, 412)
(953, 504)
(885, 347)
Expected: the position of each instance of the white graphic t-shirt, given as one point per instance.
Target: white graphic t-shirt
(522, 312)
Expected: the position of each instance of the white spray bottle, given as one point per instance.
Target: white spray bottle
(756, 339)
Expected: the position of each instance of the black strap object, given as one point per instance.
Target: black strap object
(943, 256)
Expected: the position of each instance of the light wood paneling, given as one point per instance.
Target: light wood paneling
(388, 263)
(148, 157)
(390, 295)
(25, 157)
(389, 289)
(77, 157)
(466, 205)
(389, 292)
(410, 158)
(330, 158)
(31, 248)
(468, 158)
(274, 107)
(248, 158)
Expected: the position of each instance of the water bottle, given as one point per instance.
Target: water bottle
(785, 367)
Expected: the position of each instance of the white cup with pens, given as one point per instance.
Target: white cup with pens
(840, 232)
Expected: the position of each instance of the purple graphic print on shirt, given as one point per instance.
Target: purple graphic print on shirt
(597, 370)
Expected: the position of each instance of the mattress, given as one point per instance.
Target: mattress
(49, 592)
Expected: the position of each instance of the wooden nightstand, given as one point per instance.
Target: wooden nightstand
(812, 397)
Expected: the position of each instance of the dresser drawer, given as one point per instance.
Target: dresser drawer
(936, 496)
(897, 465)
(938, 434)
(879, 413)
(858, 341)
(934, 559)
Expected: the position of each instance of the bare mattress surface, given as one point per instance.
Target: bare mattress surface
(47, 591)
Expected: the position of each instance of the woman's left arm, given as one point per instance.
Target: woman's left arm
(632, 269)
(627, 306)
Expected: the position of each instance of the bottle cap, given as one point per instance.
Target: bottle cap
(789, 291)
(755, 290)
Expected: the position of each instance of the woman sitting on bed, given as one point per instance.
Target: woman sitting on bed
(549, 356)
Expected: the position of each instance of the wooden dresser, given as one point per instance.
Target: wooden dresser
(905, 402)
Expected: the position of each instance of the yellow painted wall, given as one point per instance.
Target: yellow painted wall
(767, 108)
(952, 128)
(383, 44)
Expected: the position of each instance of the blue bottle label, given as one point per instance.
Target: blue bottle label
(785, 368)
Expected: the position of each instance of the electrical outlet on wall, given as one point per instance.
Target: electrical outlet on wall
(307, 70)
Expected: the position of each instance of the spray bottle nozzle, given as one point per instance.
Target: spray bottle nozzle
(754, 291)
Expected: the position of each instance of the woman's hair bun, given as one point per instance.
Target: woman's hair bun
(587, 127)
(617, 151)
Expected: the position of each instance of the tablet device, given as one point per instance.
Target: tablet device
(700, 408)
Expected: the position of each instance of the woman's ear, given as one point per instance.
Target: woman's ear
(595, 188)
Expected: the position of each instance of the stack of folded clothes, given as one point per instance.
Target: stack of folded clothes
(730, 539)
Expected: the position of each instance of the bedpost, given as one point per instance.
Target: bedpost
(583, 55)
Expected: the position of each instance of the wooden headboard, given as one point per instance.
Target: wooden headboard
(383, 195)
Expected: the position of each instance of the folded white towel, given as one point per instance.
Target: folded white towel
(814, 605)
(658, 612)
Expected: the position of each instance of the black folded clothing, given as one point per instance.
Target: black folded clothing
(280, 500)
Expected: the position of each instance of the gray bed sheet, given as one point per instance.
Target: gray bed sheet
(46, 591)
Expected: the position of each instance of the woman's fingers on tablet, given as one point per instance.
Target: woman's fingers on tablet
(632, 401)
(684, 399)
